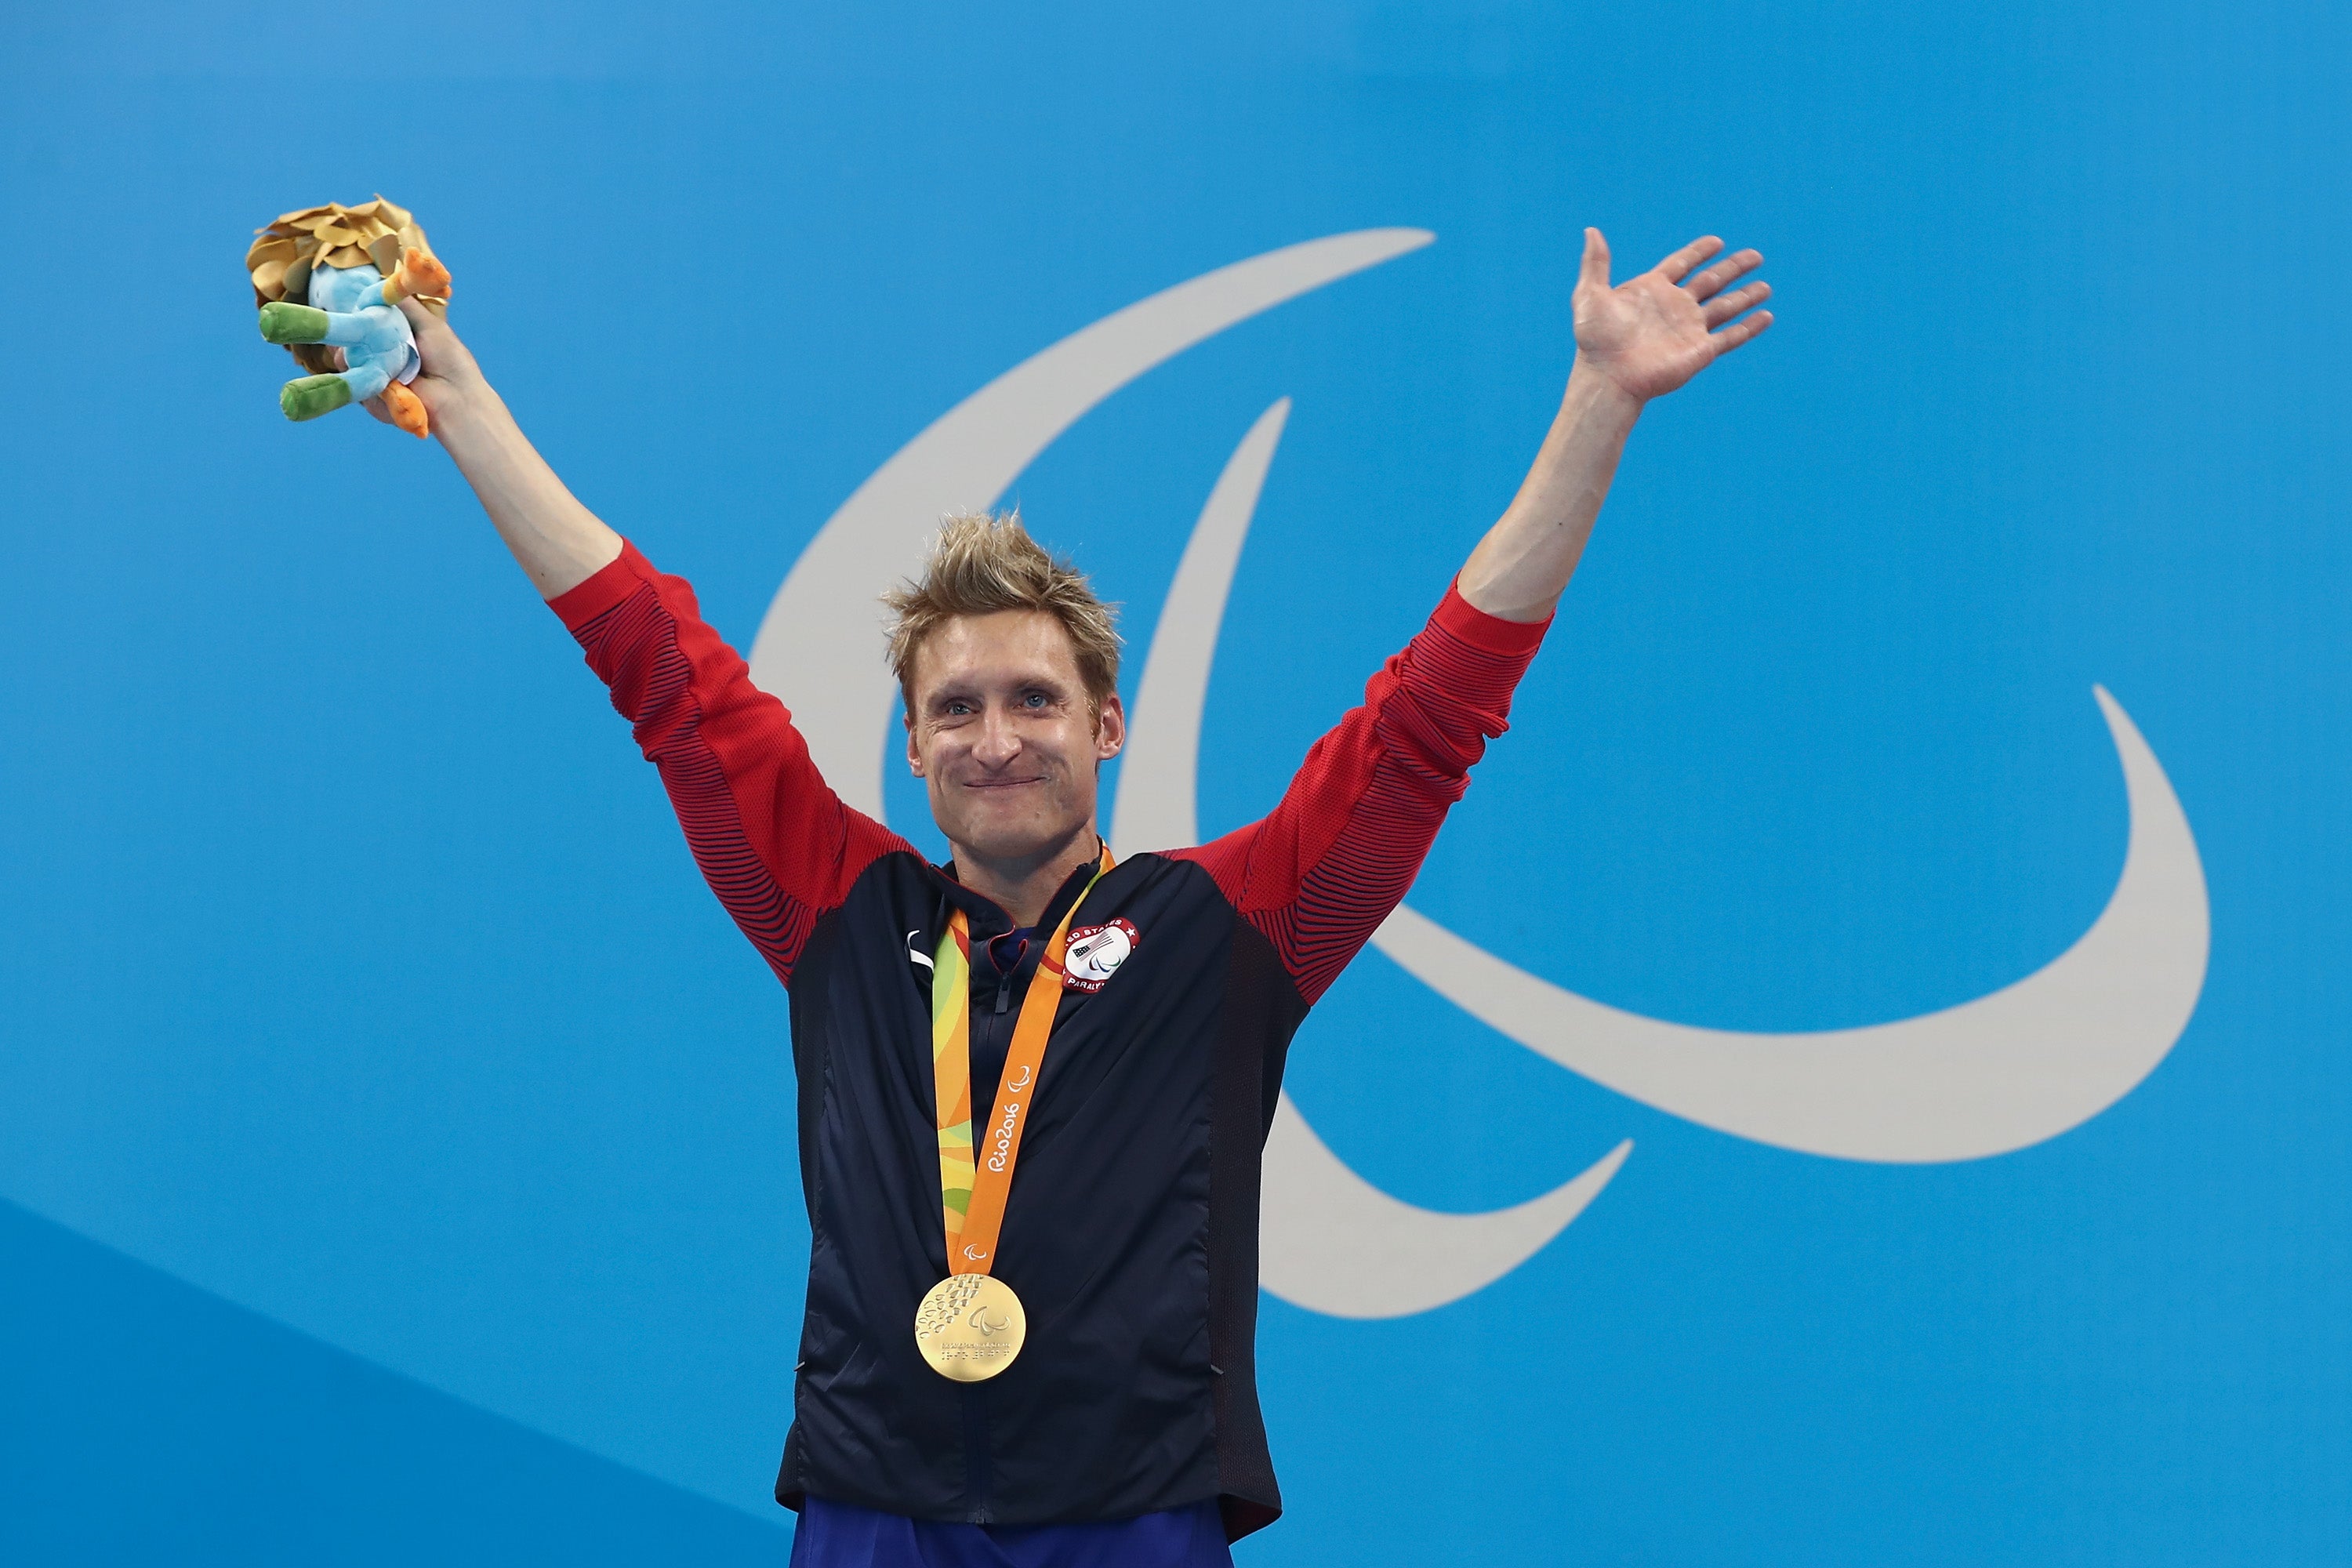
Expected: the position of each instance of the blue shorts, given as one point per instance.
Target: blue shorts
(839, 1535)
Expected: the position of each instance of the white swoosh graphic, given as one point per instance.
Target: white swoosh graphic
(2014, 1068)
(967, 457)
(1329, 1241)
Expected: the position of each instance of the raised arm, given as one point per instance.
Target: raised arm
(777, 846)
(1638, 340)
(559, 542)
(1318, 874)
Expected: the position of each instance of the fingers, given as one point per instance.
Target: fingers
(1594, 274)
(1724, 273)
(421, 321)
(442, 355)
(1723, 307)
(1746, 331)
(430, 325)
(1675, 267)
(374, 405)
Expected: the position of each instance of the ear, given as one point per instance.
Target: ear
(914, 753)
(1111, 729)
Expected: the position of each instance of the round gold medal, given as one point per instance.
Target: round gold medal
(970, 1327)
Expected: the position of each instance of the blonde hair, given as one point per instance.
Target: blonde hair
(982, 564)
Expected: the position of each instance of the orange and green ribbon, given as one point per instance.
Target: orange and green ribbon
(974, 1184)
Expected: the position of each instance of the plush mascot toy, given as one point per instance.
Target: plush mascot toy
(329, 281)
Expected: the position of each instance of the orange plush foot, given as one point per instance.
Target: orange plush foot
(421, 273)
(407, 410)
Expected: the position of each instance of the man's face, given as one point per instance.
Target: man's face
(1002, 733)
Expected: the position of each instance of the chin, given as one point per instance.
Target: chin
(1013, 835)
(1008, 841)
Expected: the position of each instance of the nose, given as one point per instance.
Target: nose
(1000, 740)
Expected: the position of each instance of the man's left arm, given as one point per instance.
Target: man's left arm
(1638, 340)
(1321, 872)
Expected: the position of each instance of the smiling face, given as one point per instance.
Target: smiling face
(1000, 728)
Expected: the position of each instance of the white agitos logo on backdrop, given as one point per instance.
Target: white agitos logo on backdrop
(2006, 1070)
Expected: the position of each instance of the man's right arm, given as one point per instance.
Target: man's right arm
(559, 542)
(774, 842)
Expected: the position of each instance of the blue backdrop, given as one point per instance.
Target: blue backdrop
(395, 1138)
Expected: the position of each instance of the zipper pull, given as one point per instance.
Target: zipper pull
(1003, 992)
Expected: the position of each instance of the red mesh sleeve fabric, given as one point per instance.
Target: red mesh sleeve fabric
(775, 843)
(1321, 873)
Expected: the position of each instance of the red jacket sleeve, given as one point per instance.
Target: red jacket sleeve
(775, 843)
(1320, 874)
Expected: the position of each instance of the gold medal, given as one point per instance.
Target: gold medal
(970, 1327)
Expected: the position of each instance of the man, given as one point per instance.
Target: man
(1059, 1369)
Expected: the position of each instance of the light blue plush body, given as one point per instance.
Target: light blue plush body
(346, 308)
(377, 345)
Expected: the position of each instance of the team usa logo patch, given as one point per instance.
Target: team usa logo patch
(1096, 952)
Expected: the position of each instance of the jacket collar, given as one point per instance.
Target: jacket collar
(991, 919)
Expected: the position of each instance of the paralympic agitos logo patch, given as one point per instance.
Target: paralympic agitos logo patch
(1096, 952)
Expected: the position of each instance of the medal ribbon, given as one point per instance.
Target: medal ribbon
(973, 1184)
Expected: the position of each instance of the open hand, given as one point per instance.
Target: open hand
(1653, 333)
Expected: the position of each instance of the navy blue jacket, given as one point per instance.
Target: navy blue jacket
(1131, 1231)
